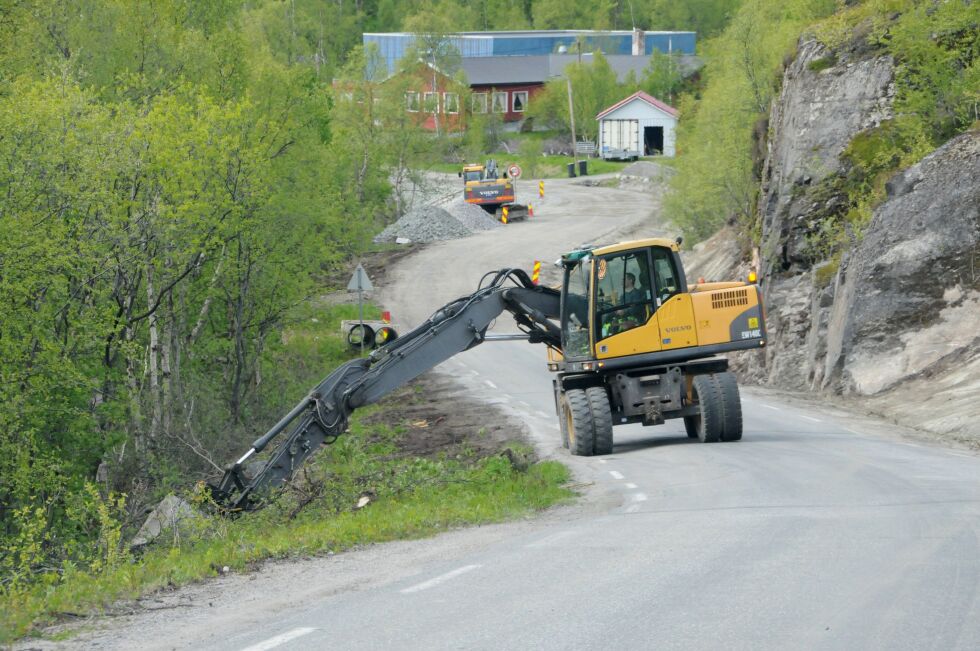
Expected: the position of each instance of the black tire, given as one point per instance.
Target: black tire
(357, 333)
(709, 419)
(578, 422)
(602, 425)
(731, 406)
(691, 425)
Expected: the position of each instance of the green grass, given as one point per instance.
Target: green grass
(547, 167)
(414, 497)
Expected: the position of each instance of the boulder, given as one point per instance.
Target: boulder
(172, 515)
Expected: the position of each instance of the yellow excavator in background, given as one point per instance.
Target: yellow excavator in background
(487, 187)
(629, 341)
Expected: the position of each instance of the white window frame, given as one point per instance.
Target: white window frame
(480, 107)
(496, 94)
(425, 101)
(409, 96)
(445, 103)
(513, 101)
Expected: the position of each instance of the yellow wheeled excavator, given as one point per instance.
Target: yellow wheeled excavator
(629, 341)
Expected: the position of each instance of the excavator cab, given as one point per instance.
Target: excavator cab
(638, 345)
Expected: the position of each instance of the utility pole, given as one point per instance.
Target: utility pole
(571, 113)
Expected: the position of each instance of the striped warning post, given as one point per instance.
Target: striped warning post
(541, 189)
(503, 217)
(536, 271)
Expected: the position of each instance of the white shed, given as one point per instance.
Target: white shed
(640, 125)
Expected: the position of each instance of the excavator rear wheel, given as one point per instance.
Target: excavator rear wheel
(709, 418)
(577, 417)
(731, 406)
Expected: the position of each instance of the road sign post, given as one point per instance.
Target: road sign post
(360, 283)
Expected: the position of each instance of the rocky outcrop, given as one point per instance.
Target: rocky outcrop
(896, 322)
(826, 99)
(908, 295)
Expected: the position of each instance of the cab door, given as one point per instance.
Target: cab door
(675, 310)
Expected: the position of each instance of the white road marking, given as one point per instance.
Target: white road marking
(771, 407)
(490, 384)
(846, 429)
(631, 485)
(279, 640)
(815, 420)
(548, 540)
(601, 460)
(616, 475)
(521, 402)
(632, 508)
(639, 497)
(542, 414)
(431, 583)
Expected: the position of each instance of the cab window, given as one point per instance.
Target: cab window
(472, 175)
(667, 281)
(575, 312)
(624, 292)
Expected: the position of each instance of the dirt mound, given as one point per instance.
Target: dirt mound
(425, 224)
(440, 418)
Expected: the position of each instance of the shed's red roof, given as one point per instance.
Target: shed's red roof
(649, 99)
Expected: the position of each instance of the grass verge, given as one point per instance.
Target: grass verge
(413, 491)
(544, 167)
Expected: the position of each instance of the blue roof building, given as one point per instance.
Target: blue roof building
(393, 46)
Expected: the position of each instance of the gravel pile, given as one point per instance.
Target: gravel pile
(472, 217)
(426, 224)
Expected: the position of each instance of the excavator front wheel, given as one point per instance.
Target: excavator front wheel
(587, 421)
(577, 419)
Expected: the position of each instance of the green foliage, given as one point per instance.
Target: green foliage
(170, 195)
(706, 17)
(715, 182)
(594, 87)
(530, 151)
(937, 96)
(823, 63)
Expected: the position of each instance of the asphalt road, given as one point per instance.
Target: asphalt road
(819, 530)
(808, 534)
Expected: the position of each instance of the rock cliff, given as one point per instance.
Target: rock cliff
(898, 323)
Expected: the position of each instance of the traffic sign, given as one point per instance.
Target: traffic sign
(360, 282)
(514, 171)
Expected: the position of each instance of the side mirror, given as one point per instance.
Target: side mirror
(459, 174)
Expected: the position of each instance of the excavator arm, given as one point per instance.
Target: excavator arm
(322, 416)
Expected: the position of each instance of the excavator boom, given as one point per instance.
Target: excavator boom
(322, 416)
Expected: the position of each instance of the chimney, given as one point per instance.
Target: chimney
(639, 42)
